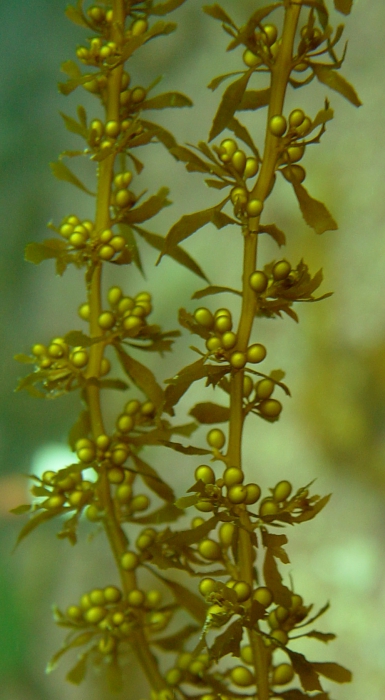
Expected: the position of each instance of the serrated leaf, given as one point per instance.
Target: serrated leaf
(189, 223)
(148, 209)
(63, 173)
(313, 510)
(166, 514)
(220, 78)
(31, 379)
(241, 132)
(216, 184)
(167, 99)
(160, 342)
(220, 219)
(254, 99)
(214, 289)
(37, 252)
(71, 69)
(314, 212)
(187, 501)
(165, 562)
(275, 544)
(71, 154)
(229, 104)
(77, 673)
(160, 29)
(323, 116)
(321, 636)
(153, 480)
(24, 359)
(73, 126)
(188, 321)
(138, 165)
(196, 534)
(228, 642)
(209, 412)
(76, 16)
(217, 12)
(129, 237)
(186, 599)
(177, 253)
(189, 450)
(179, 384)
(275, 232)
(194, 163)
(320, 612)
(161, 134)
(186, 429)
(40, 491)
(174, 642)
(28, 384)
(78, 641)
(215, 374)
(343, 6)
(78, 338)
(20, 510)
(305, 671)
(247, 32)
(135, 42)
(141, 376)
(165, 7)
(334, 671)
(73, 83)
(329, 76)
(34, 522)
(273, 580)
(257, 612)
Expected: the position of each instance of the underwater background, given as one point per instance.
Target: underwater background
(333, 427)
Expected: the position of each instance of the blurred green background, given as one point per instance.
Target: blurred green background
(332, 428)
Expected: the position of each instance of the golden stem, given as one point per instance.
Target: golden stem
(115, 533)
(280, 73)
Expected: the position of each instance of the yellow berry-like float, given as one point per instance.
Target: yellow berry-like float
(216, 438)
(241, 676)
(258, 281)
(277, 125)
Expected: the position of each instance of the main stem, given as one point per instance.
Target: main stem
(115, 533)
(280, 73)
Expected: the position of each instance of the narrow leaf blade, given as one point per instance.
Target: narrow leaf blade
(336, 82)
(153, 480)
(62, 172)
(254, 99)
(334, 671)
(165, 7)
(217, 12)
(343, 6)
(314, 212)
(178, 254)
(141, 376)
(229, 104)
(37, 252)
(187, 599)
(152, 206)
(167, 99)
(209, 412)
(186, 226)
